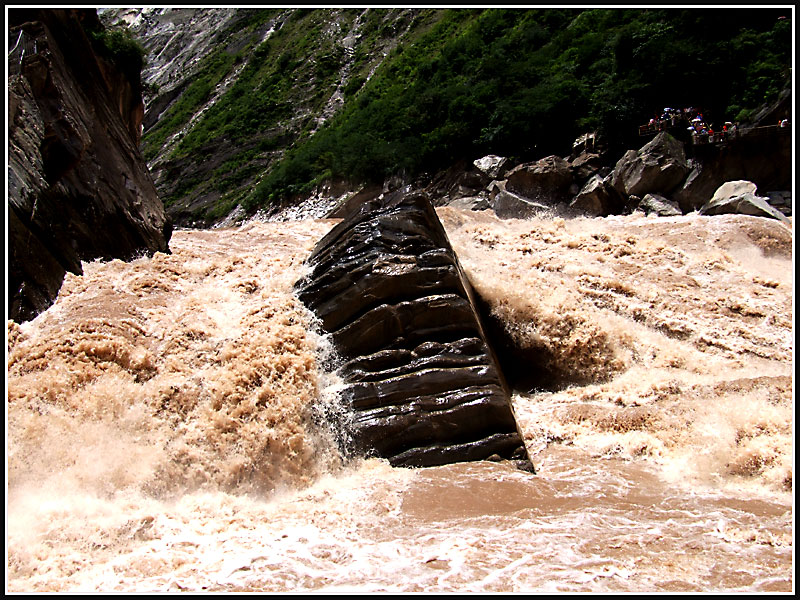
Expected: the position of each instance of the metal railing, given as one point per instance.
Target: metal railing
(24, 46)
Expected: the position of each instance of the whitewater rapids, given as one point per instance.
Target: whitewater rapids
(166, 422)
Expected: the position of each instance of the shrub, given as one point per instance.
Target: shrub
(117, 44)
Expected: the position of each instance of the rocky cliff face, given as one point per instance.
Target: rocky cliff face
(176, 40)
(78, 187)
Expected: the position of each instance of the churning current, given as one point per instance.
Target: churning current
(166, 422)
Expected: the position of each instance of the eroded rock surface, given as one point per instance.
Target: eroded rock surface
(424, 386)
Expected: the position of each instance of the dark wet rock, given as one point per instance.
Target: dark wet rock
(585, 165)
(461, 180)
(423, 384)
(782, 200)
(596, 198)
(352, 201)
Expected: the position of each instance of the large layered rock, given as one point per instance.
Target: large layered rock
(509, 205)
(423, 385)
(530, 189)
(78, 187)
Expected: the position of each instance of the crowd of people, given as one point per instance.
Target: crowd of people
(691, 118)
(703, 133)
(670, 117)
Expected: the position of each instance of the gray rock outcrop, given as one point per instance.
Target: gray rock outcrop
(423, 385)
(78, 187)
(509, 205)
(493, 166)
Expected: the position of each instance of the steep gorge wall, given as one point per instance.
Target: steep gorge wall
(79, 189)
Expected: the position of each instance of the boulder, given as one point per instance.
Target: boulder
(422, 386)
(696, 189)
(738, 197)
(493, 166)
(462, 180)
(79, 189)
(584, 143)
(508, 205)
(585, 165)
(658, 167)
(596, 198)
(731, 189)
(656, 204)
(546, 181)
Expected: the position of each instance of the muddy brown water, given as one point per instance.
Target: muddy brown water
(161, 434)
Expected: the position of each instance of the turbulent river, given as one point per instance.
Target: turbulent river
(166, 422)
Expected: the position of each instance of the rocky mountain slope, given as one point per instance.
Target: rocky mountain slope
(232, 89)
(261, 109)
(78, 187)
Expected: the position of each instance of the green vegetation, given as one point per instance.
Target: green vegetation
(525, 83)
(197, 92)
(463, 83)
(275, 89)
(117, 44)
(214, 69)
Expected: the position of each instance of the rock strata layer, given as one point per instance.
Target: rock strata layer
(421, 382)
